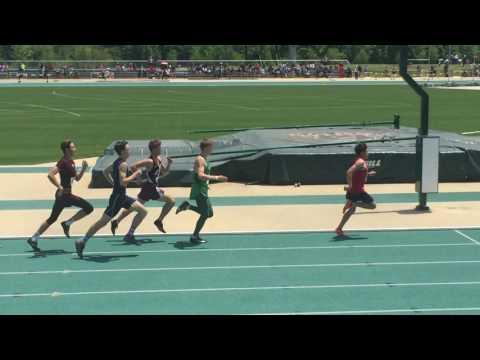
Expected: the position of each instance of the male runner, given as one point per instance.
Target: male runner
(150, 190)
(356, 195)
(199, 190)
(63, 196)
(117, 175)
(21, 72)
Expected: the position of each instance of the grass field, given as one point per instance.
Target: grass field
(40, 118)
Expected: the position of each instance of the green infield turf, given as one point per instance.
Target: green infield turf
(40, 118)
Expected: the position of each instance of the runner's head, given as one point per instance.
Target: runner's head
(68, 147)
(122, 149)
(155, 147)
(206, 146)
(361, 150)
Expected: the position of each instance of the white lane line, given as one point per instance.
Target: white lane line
(239, 267)
(53, 109)
(201, 250)
(470, 132)
(42, 107)
(467, 237)
(253, 288)
(260, 232)
(65, 95)
(383, 311)
(175, 112)
(159, 101)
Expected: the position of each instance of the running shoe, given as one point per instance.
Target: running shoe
(339, 232)
(130, 239)
(197, 240)
(159, 226)
(34, 245)
(113, 226)
(66, 229)
(79, 246)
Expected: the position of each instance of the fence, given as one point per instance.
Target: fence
(199, 69)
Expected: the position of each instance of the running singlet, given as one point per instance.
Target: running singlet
(200, 186)
(117, 185)
(359, 178)
(152, 175)
(67, 171)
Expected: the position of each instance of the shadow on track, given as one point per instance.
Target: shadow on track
(182, 245)
(105, 258)
(348, 237)
(138, 242)
(400, 212)
(46, 253)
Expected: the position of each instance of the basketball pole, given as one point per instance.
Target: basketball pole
(423, 129)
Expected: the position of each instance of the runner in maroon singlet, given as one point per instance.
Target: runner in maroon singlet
(63, 196)
(356, 195)
(155, 169)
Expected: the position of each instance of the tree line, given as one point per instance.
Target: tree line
(359, 54)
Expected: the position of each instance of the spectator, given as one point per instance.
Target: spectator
(355, 71)
(21, 71)
(44, 71)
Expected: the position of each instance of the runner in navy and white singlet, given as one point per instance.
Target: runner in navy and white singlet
(117, 176)
(155, 169)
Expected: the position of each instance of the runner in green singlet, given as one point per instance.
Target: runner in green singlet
(199, 190)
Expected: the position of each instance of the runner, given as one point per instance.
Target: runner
(117, 175)
(63, 196)
(150, 190)
(199, 190)
(356, 195)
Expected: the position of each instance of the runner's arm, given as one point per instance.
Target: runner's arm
(53, 179)
(350, 172)
(124, 179)
(107, 172)
(164, 170)
(148, 163)
(360, 165)
(79, 176)
(200, 170)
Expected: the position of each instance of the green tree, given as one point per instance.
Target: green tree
(335, 53)
(23, 52)
(361, 57)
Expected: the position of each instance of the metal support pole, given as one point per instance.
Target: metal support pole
(423, 129)
(396, 121)
(292, 53)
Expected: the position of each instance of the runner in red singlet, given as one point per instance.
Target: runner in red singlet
(65, 167)
(356, 195)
